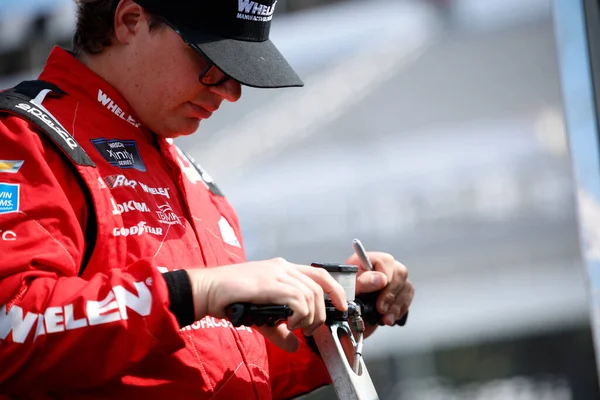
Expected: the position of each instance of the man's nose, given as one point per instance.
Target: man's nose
(230, 90)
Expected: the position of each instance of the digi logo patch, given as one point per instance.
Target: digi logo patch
(9, 198)
(120, 153)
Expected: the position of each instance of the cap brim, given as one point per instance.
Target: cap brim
(255, 64)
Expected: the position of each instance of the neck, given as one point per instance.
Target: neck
(104, 66)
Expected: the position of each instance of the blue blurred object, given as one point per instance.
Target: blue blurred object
(22, 20)
(7, 7)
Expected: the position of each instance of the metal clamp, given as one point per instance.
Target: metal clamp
(338, 349)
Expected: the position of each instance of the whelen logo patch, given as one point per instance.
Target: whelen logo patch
(255, 11)
(120, 153)
(16, 323)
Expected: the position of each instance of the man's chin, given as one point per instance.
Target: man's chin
(190, 127)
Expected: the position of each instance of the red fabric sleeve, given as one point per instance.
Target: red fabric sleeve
(57, 330)
(295, 374)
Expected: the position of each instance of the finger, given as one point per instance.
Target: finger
(316, 298)
(296, 300)
(372, 281)
(288, 292)
(399, 274)
(377, 259)
(280, 336)
(383, 262)
(293, 290)
(392, 269)
(400, 304)
(310, 290)
(330, 286)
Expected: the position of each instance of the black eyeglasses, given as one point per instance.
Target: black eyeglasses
(210, 75)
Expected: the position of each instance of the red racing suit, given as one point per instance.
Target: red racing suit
(108, 331)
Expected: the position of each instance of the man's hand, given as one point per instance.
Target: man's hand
(389, 276)
(275, 281)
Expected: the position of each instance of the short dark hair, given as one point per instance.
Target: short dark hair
(95, 25)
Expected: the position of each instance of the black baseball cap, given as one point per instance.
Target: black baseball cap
(234, 35)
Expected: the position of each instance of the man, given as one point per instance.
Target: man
(118, 257)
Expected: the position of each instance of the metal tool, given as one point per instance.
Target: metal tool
(340, 339)
(359, 323)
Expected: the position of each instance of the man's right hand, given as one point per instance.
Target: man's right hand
(275, 281)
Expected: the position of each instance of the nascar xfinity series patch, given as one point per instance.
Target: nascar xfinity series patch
(120, 153)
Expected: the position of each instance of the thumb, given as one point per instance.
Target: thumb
(280, 336)
(370, 281)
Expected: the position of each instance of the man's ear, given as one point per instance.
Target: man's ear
(129, 19)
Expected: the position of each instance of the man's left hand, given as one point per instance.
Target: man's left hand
(389, 276)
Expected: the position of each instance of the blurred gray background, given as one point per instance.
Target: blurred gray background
(430, 129)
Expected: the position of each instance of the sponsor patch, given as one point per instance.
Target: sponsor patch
(120, 153)
(167, 216)
(115, 109)
(127, 206)
(11, 166)
(255, 11)
(8, 236)
(227, 233)
(116, 181)
(209, 322)
(51, 123)
(120, 304)
(9, 198)
(137, 230)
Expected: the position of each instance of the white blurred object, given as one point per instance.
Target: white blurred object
(466, 307)
(390, 35)
(589, 217)
(516, 388)
(550, 131)
(491, 14)
(61, 22)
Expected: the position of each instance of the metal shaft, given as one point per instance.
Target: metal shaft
(348, 385)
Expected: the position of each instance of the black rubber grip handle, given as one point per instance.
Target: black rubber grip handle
(368, 304)
(249, 314)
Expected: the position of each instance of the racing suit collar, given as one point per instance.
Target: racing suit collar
(86, 84)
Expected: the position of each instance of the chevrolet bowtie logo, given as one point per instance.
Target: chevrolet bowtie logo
(11, 166)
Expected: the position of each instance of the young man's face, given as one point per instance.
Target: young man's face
(162, 82)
